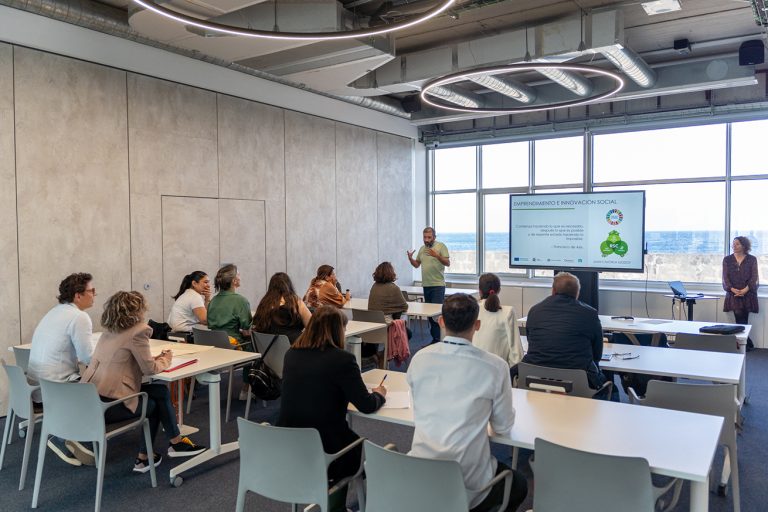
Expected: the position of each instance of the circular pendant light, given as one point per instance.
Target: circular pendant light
(292, 36)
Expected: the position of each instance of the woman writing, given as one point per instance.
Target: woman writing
(280, 310)
(498, 333)
(322, 290)
(120, 360)
(320, 379)
(190, 302)
(740, 282)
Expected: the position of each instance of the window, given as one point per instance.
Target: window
(505, 165)
(747, 143)
(456, 226)
(559, 161)
(748, 219)
(691, 152)
(455, 168)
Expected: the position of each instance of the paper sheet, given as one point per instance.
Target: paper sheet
(178, 348)
(395, 399)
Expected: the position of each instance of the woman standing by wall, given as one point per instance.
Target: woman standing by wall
(740, 282)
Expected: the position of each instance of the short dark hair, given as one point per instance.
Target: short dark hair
(72, 284)
(384, 273)
(460, 312)
(566, 283)
(745, 242)
(431, 229)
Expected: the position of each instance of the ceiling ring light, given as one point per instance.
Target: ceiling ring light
(523, 66)
(291, 36)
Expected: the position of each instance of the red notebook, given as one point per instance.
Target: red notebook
(179, 362)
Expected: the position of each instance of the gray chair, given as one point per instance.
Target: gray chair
(712, 399)
(397, 482)
(569, 480)
(76, 412)
(379, 336)
(218, 339)
(725, 343)
(275, 357)
(22, 357)
(20, 406)
(558, 380)
(287, 464)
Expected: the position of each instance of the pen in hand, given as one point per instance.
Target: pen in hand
(382, 381)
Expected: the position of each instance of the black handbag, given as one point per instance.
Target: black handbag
(264, 382)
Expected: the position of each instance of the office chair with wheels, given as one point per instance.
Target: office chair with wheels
(75, 412)
(288, 465)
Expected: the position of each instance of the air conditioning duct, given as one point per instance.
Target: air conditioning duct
(631, 64)
(510, 88)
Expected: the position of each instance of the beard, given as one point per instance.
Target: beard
(429, 244)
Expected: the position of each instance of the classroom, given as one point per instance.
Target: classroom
(139, 148)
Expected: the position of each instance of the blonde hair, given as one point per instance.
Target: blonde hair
(123, 310)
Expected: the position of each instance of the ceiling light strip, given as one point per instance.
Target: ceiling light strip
(291, 36)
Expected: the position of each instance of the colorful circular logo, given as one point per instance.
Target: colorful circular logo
(614, 217)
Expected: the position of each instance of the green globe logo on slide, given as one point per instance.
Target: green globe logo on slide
(613, 245)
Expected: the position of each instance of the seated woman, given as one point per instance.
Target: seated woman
(320, 379)
(280, 310)
(228, 310)
(322, 290)
(385, 295)
(189, 309)
(498, 333)
(119, 362)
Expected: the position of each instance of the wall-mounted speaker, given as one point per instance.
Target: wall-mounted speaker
(751, 53)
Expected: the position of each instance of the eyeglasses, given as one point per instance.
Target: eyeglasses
(625, 355)
(92, 290)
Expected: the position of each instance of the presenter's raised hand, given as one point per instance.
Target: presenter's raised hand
(410, 253)
(433, 252)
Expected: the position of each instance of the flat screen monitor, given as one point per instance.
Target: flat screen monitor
(600, 231)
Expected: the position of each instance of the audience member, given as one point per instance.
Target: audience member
(322, 290)
(281, 311)
(60, 341)
(191, 300)
(385, 295)
(121, 359)
(228, 310)
(432, 257)
(498, 332)
(320, 379)
(564, 332)
(458, 389)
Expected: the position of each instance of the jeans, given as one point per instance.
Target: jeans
(434, 295)
(159, 410)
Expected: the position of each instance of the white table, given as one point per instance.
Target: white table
(676, 444)
(354, 329)
(419, 290)
(419, 309)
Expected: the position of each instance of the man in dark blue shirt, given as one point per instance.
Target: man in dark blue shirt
(564, 332)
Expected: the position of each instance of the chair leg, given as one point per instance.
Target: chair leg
(150, 453)
(248, 403)
(7, 433)
(733, 457)
(27, 449)
(40, 462)
(240, 505)
(229, 393)
(101, 461)
(191, 392)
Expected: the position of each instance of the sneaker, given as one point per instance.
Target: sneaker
(243, 396)
(81, 452)
(185, 448)
(59, 447)
(142, 466)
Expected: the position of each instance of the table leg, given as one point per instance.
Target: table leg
(700, 496)
(185, 430)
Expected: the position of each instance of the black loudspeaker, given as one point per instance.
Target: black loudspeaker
(412, 103)
(751, 53)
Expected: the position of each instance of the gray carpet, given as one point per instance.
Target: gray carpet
(214, 486)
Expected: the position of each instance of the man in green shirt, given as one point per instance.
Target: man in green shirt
(432, 258)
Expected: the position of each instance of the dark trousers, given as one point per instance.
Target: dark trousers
(742, 318)
(434, 295)
(159, 410)
(516, 495)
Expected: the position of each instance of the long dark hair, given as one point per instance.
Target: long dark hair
(323, 273)
(490, 286)
(325, 329)
(186, 283)
(280, 289)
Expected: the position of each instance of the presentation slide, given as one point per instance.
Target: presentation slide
(596, 231)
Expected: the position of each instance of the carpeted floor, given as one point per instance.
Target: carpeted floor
(214, 486)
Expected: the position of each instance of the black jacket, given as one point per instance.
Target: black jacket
(318, 385)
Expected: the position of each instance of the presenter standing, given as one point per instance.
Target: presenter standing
(432, 258)
(740, 282)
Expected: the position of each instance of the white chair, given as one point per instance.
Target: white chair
(726, 343)
(712, 399)
(287, 464)
(76, 412)
(379, 336)
(403, 483)
(20, 406)
(22, 357)
(569, 480)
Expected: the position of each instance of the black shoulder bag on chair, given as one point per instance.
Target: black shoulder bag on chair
(264, 382)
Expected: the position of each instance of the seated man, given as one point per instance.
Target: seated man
(60, 341)
(564, 332)
(457, 390)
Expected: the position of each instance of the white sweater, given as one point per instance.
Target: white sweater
(498, 334)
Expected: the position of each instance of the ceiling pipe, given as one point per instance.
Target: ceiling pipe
(451, 96)
(631, 64)
(577, 84)
(510, 88)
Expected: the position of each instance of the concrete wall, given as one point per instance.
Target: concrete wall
(140, 181)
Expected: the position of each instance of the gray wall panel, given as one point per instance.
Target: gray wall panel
(356, 211)
(242, 242)
(72, 192)
(310, 196)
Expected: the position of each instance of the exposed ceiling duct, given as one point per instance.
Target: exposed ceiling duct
(631, 64)
(575, 83)
(510, 88)
(457, 98)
